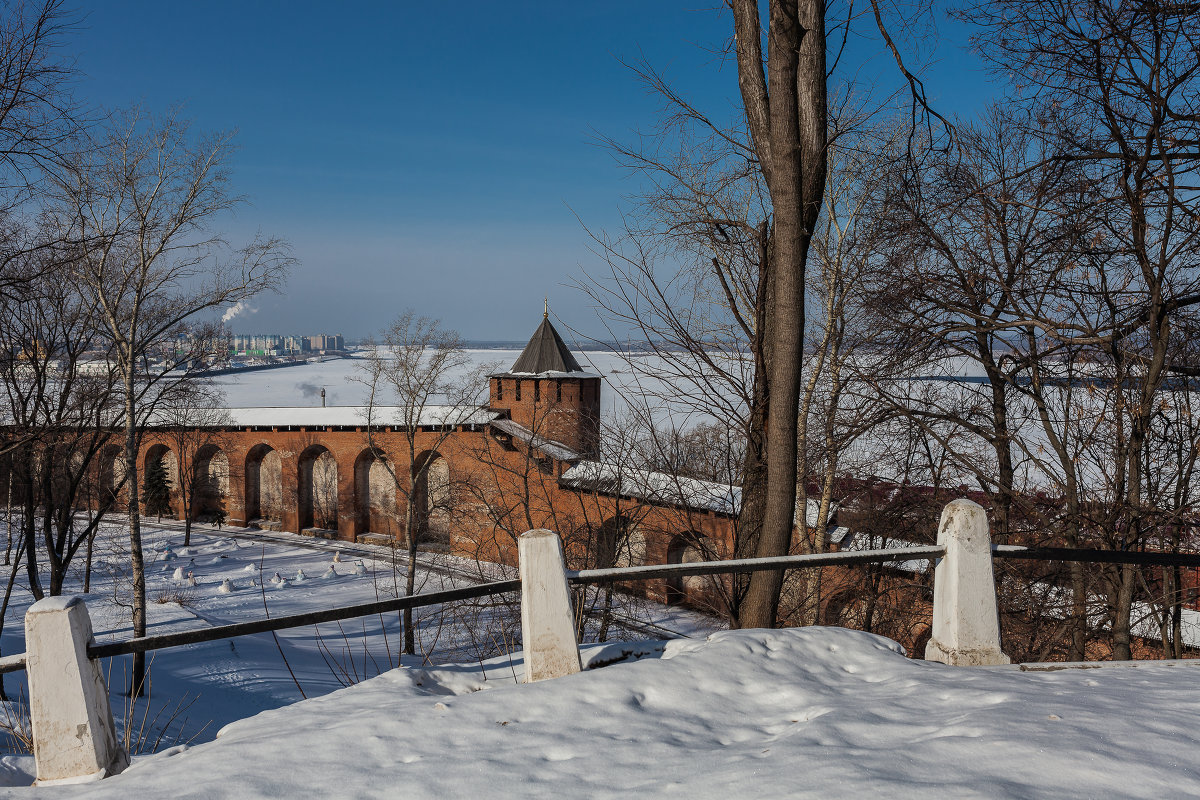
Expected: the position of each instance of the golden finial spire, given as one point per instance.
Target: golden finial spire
(546, 313)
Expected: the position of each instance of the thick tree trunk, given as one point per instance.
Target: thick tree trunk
(1122, 640)
(754, 462)
(796, 129)
(754, 485)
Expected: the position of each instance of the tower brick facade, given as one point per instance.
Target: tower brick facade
(549, 394)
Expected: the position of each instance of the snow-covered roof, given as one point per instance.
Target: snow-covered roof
(342, 416)
(658, 487)
(662, 487)
(556, 450)
(812, 511)
(547, 374)
(838, 534)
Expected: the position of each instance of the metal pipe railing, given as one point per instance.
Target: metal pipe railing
(143, 644)
(1096, 556)
(16, 662)
(741, 565)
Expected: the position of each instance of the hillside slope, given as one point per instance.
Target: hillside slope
(820, 712)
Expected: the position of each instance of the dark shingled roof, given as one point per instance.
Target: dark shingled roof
(545, 353)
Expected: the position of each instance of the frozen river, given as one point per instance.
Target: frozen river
(342, 379)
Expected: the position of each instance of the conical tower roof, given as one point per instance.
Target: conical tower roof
(545, 353)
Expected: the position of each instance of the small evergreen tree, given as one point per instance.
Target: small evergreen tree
(156, 490)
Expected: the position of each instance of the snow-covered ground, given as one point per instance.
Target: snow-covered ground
(795, 713)
(197, 689)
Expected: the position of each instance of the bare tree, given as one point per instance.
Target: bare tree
(62, 415)
(1113, 87)
(142, 200)
(781, 142)
(425, 369)
(785, 98)
(39, 117)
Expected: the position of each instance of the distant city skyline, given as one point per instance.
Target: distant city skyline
(441, 157)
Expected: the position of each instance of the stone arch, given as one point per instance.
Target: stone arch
(375, 493)
(110, 484)
(431, 498)
(264, 486)
(317, 481)
(620, 543)
(689, 548)
(847, 609)
(164, 453)
(161, 452)
(211, 473)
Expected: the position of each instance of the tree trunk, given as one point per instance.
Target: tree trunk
(12, 579)
(410, 574)
(87, 567)
(8, 518)
(754, 462)
(796, 180)
(187, 516)
(1177, 614)
(754, 486)
(28, 523)
(137, 564)
(1122, 640)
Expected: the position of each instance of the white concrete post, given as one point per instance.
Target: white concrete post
(547, 624)
(74, 740)
(966, 626)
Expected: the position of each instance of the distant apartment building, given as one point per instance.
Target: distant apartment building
(258, 344)
(270, 344)
(325, 341)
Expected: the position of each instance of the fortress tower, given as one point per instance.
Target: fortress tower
(548, 393)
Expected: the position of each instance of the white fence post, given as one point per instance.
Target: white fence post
(547, 624)
(966, 626)
(74, 739)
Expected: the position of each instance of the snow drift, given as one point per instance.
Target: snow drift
(802, 712)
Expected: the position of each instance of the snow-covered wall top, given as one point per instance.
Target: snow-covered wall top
(342, 416)
(657, 487)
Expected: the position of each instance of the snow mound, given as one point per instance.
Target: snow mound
(821, 712)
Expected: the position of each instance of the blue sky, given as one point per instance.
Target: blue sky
(431, 155)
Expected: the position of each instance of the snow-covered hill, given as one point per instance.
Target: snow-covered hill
(796, 713)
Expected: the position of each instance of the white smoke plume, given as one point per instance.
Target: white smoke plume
(240, 307)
